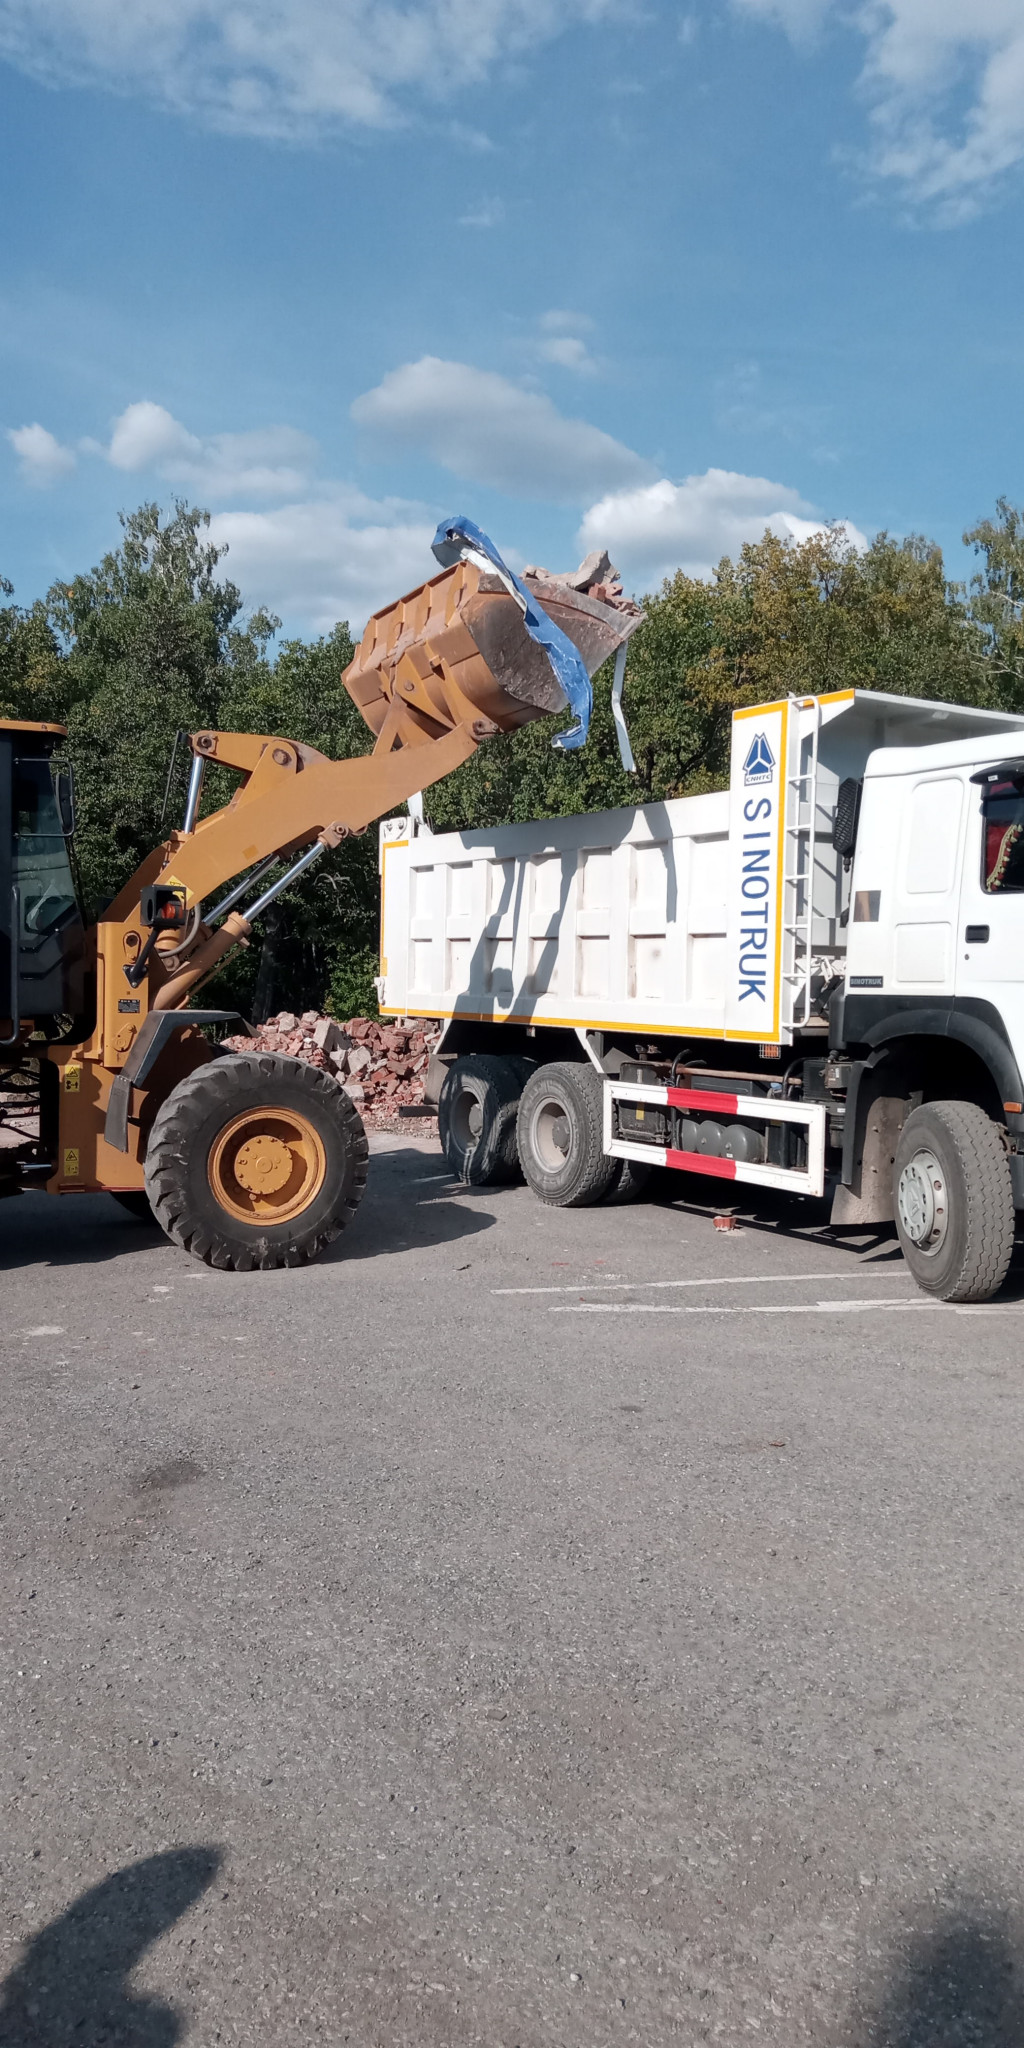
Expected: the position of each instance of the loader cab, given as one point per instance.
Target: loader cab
(42, 949)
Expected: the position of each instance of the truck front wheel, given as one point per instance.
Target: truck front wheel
(559, 1131)
(256, 1161)
(953, 1201)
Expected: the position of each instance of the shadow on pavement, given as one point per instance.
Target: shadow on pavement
(71, 1989)
(778, 1214)
(70, 1230)
(959, 1987)
(410, 1205)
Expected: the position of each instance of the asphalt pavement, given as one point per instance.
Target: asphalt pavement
(525, 1628)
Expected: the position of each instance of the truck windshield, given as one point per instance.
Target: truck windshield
(42, 869)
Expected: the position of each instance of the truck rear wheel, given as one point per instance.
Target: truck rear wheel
(953, 1201)
(476, 1118)
(256, 1161)
(560, 1136)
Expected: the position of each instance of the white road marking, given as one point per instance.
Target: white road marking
(723, 1280)
(45, 1330)
(774, 1308)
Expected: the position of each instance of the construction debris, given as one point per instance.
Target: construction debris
(595, 577)
(381, 1065)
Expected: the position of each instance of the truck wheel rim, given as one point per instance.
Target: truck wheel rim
(551, 1134)
(923, 1202)
(467, 1120)
(267, 1165)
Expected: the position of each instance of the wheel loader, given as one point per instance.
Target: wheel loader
(109, 1078)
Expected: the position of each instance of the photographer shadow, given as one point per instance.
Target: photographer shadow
(71, 1986)
(960, 1985)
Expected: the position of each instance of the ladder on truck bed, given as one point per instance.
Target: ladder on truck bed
(797, 918)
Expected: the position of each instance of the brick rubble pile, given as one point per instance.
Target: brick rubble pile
(381, 1065)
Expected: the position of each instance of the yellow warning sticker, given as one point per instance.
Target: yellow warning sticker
(71, 1162)
(72, 1080)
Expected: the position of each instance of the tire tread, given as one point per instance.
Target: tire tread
(991, 1217)
(172, 1135)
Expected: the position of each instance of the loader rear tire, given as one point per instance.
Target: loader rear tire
(953, 1200)
(476, 1118)
(560, 1134)
(256, 1162)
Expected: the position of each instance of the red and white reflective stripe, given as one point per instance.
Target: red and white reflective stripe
(812, 1116)
(701, 1162)
(704, 1098)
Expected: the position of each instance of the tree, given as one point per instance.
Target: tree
(997, 600)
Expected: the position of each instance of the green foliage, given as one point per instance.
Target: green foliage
(153, 640)
(997, 600)
(351, 991)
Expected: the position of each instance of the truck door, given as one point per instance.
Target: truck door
(990, 949)
(926, 885)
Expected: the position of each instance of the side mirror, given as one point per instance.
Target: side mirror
(64, 784)
(845, 818)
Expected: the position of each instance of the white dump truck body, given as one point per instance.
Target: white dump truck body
(717, 916)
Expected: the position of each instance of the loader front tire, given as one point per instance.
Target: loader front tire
(256, 1162)
(560, 1134)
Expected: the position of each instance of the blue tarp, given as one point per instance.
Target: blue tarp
(450, 540)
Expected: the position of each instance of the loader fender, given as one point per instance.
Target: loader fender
(159, 1027)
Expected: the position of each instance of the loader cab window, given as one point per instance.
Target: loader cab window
(1003, 842)
(41, 867)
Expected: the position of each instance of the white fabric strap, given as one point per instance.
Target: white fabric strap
(621, 733)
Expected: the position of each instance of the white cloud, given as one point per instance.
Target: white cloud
(558, 321)
(651, 533)
(339, 557)
(41, 457)
(286, 68)
(568, 352)
(944, 82)
(484, 213)
(489, 431)
(266, 462)
(562, 342)
(799, 18)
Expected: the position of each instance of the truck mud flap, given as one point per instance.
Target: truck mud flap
(812, 1117)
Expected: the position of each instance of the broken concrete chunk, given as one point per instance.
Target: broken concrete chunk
(327, 1035)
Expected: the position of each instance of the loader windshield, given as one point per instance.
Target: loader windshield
(42, 869)
(1003, 863)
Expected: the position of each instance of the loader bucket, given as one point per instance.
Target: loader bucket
(464, 628)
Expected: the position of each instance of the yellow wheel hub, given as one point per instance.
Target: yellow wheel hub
(267, 1165)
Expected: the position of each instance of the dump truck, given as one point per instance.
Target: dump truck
(810, 981)
(111, 1077)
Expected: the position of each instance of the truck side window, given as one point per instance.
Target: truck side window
(1003, 855)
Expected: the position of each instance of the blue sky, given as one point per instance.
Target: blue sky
(617, 272)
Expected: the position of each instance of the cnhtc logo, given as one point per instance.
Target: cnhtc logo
(759, 765)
